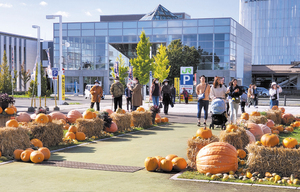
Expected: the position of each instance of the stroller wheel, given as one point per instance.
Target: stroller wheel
(211, 126)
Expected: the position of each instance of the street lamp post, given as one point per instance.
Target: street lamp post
(38, 61)
(60, 73)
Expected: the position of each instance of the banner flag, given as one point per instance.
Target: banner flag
(116, 68)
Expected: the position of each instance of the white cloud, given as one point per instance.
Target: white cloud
(63, 13)
(43, 3)
(6, 5)
(88, 13)
(99, 10)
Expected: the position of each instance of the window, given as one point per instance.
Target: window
(205, 22)
(205, 29)
(87, 32)
(129, 31)
(100, 39)
(159, 31)
(174, 30)
(222, 21)
(188, 23)
(129, 24)
(175, 23)
(87, 25)
(189, 30)
(115, 25)
(160, 24)
(206, 37)
(74, 26)
(190, 37)
(101, 32)
(101, 25)
(145, 24)
(115, 32)
(114, 39)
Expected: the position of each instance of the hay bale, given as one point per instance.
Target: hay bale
(122, 120)
(274, 160)
(239, 139)
(258, 119)
(141, 119)
(274, 115)
(13, 138)
(90, 127)
(50, 134)
(194, 146)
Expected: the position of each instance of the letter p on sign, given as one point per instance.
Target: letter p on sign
(186, 78)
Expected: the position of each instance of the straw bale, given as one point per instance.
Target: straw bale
(141, 119)
(13, 138)
(90, 127)
(274, 160)
(239, 139)
(122, 120)
(271, 115)
(258, 119)
(194, 146)
(50, 134)
(274, 115)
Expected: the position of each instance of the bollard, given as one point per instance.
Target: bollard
(56, 108)
(284, 102)
(47, 108)
(34, 102)
(40, 101)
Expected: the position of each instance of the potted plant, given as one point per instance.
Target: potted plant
(6, 100)
(154, 109)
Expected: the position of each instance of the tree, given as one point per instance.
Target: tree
(44, 90)
(142, 64)
(181, 56)
(5, 76)
(25, 75)
(122, 70)
(15, 79)
(161, 67)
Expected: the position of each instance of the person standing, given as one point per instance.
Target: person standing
(155, 92)
(250, 95)
(218, 90)
(128, 94)
(185, 96)
(222, 82)
(173, 93)
(202, 88)
(255, 93)
(96, 92)
(166, 95)
(136, 89)
(117, 90)
(274, 94)
(234, 100)
(243, 100)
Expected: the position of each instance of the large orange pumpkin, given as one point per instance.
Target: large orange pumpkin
(73, 115)
(270, 123)
(289, 142)
(255, 130)
(17, 154)
(245, 116)
(88, 115)
(113, 128)
(287, 118)
(204, 133)
(12, 123)
(71, 135)
(58, 115)
(251, 137)
(217, 157)
(231, 127)
(166, 165)
(80, 136)
(46, 152)
(9, 111)
(25, 155)
(37, 157)
(41, 118)
(269, 140)
(23, 117)
(151, 163)
(265, 128)
(179, 163)
(36, 142)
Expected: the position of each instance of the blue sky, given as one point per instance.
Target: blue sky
(18, 16)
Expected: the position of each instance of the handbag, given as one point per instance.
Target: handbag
(274, 97)
(202, 96)
(236, 99)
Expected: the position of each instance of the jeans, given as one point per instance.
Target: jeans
(118, 101)
(128, 99)
(234, 108)
(273, 103)
(97, 104)
(155, 100)
(202, 104)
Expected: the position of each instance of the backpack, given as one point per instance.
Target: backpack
(118, 90)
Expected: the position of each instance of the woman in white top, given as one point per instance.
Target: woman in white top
(218, 90)
(274, 94)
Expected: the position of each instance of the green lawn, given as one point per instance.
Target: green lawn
(295, 134)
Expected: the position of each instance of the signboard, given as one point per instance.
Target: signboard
(63, 85)
(186, 79)
(54, 72)
(150, 74)
(177, 85)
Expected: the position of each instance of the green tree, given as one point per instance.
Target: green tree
(5, 76)
(15, 79)
(44, 90)
(181, 56)
(25, 75)
(122, 70)
(142, 64)
(161, 67)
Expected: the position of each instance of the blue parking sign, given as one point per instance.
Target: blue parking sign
(54, 71)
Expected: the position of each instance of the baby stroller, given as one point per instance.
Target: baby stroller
(218, 113)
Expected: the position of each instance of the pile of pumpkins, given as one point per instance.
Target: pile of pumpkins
(159, 119)
(166, 164)
(35, 156)
(11, 110)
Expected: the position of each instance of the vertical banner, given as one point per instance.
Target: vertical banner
(12, 63)
(63, 87)
(186, 79)
(49, 70)
(116, 68)
(130, 77)
(34, 70)
(176, 85)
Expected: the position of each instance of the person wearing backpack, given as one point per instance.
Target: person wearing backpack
(117, 90)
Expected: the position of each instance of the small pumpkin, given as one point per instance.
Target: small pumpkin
(204, 133)
(88, 115)
(1, 110)
(37, 157)
(140, 109)
(113, 128)
(157, 120)
(157, 115)
(289, 142)
(280, 128)
(231, 128)
(80, 136)
(282, 109)
(275, 107)
(71, 135)
(72, 128)
(255, 113)
(46, 152)
(274, 131)
(23, 117)
(269, 140)
(109, 111)
(265, 128)
(25, 155)
(66, 126)
(179, 163)
(245, 116)
(255, 130)
(241, 153)
(151, 163)
(289, 128)
(12, 123)
(297, 123)
(14, 108)
(159, 158)
(94, 115)
(164, 120)
(36, 142)
(49, 118)
(73, 115)
(9, 111)
(41, 118)
(270, 123)
(170, 157)
(17, 154)
(166, 165)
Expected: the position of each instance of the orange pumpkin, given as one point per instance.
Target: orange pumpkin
(179, 163)
(297, 123)
(113, 128)
(204, 133)
(270, 123)
(265, 128)
(166, 165)
(41, 118)
(241, 153)
(170, 157)
(159, 158)
(290, 129)
(94, 114)
(49, 118)
(23, 117)
(71, 135)
(140, 109)
(217, 157)
(17, 154)
(36, 142)
(274, 131)
(72, 128)
(151, 163)
(245, 116)
(9, 111)
(287, 118)
(164, 120)
(12, 123)
(1, 110)
(80, 136)
(269, 140)
(255, 113)
(29, 149)
(58, 115)
(157, 115)
(73, 115)
(46, 152)
(25, 155)
(275, 107)
(88, 115)
(251, 137)
(37, 157)
(157, 120)
(282, 110)
(131, 123)
(280, 128)
(14, 108)
(255, 130)
(123, 111)
(63, 121)
(289, 142)
(231, 128)
(66, 126)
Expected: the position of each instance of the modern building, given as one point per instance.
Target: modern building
(94, 46)
(275, 27)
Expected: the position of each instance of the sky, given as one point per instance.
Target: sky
(18, 16)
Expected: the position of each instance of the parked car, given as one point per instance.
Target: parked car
(87, 93)
(263, 91)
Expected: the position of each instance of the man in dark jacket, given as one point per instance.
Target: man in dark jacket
(128, 94)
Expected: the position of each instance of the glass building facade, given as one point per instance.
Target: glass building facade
(275, 27)
(225, 46)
